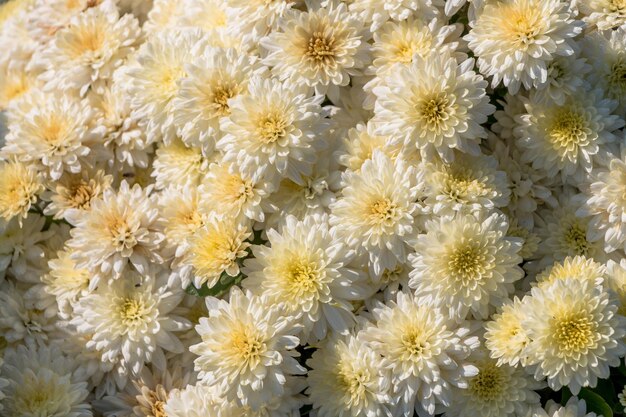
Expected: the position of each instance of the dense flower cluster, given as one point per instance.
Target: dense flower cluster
(334, 208)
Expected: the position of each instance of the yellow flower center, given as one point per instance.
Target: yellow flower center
(302, 277)
(467, 262)
(489, 384)
(617, 76)
(221, 95)
(80, 195)
(353, 382)
(435, 111)
(248, 346)
(158, 409)
(412, 342)
(617, 6)
(568, 130)
(120, 232)
(271, 128)
(574, 332)
(321, 48)
(460, 184)
(131, 310)
(383, 210)
(576, 239)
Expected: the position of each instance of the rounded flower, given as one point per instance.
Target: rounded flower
(505, 337)
(305, 271)
(346, 379)
(42, 381)
(576, 333)
(320, 48)
(466, 264)
(19, 187)
(275, 129)
(434, 104)
(515, 40)
(246, 351)
(425, 352)
(178, 165)
(376, 213)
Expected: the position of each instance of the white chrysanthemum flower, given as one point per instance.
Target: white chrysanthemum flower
(314, 196)
(616, 277)
(14, 83)
(425, 352)
(606, 52)
(604, 14)
(247, 349)
(531, 240)
(515, 40)
(564, 234)
(75, 191)
(123, 227)
(566, 77)
(262, 14)
(376, 213)
(22, 322)
(43, 382)
(51, 133)
(466, 264)
(214, 76)
(576, 333)
(320, 48)
(573, 408)
(347, 380)
(184, 212)
(495, 391)
(577, 267)
(568, 139)
(231, 192)
(434, 104)
(276, 128)
(216, 248)
(131, 322)
(305, 271)
(604, 200)
(193, 401)
(154, 80)
(469, 184)
(178, 165)
(359, 145)
(22, 247)
(375, 12)
(84, 54)
(505, 337)
(19, 187)
(124, 142)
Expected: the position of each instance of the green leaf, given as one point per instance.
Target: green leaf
(595, 403)
(219, 289)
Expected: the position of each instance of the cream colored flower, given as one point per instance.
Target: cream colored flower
(577, 267)
(19, 187)
(75, 191)
(178, 165)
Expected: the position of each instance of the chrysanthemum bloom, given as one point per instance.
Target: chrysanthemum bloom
(262, 14)
(359, 145)
(131, 322)
(14, 83)
(606, 52)
(469, 184)
(42, 381)
(230, 191)
(305, 272)
(178, 165)
(424, 351)
(75, 191)
(193, 401)
(466, 264)
(605, 14)
(566, 76)
(434, 104)
(505, 337)
(84, 54)
(51, 133)
(577, 267)
(320, 48)
(375, 13)
(247, 349)
(616, 282)
(218, 247)
(604, 200)
(568, 139)
(573, 408)
(154, 80)
(495, 391)
(22, 247)
(376, 213)
(214, 76)
(121, 228)
(19, 187)
(530, 238)
(347, 379)
(564, 234)
(62, 286)
(576, 333)
(275, 129)
(515, 40)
